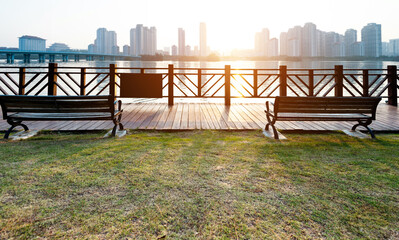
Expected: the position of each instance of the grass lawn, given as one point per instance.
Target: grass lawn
(199, 185)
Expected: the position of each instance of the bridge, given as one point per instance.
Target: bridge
(65, 56)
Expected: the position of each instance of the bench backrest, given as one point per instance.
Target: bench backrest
(338, 105)
(56, 104)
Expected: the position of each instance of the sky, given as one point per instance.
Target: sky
(231, 24)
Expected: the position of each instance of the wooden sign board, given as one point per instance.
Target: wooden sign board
(135, 85)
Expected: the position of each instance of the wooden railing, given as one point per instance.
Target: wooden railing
(205, 82)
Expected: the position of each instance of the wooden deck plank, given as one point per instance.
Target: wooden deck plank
(231, 116)
(171, 116)
(197, 110)
(152, 113)
(254, 115)
(204, 120)
(224, 114)
(177, 121)
(185, 116)
(191, 116)
(157, 117)
(222, 122)
(145, 112)
(211, 116)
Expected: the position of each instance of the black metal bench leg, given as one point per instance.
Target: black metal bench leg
(120, 122)
(365, 125)
(14, 125)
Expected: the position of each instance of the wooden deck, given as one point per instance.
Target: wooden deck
(190, 116)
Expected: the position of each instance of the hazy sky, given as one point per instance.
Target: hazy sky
(230, 23)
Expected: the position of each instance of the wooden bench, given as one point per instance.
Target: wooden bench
(59, 108)
(360, 109)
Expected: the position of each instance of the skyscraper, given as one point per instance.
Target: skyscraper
(112, 47)
(182, 42)
(294, 41)
(203, 46)
(283, 44)
(350, 40)
(101, 41)
(394, 47)
(261, 42)
(106, 42)
(272, 47)
(143, 40)
(309, 40)
(371, 38)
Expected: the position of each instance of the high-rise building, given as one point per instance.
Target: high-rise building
(181, 42)
(126, 50)
(143, 40)
(371, 38)
(261, 42)
(283, 44)
(187, 50)
(309, 40)
(32, 43)
(331, 47)
(112, 47)
(92, 48)
(358, 50)
(202, 46)
(106, 42)
(174, 50)
(272, 47)
(101, 41)
(350, 40)
(394, 47)
(294, 36)
(153, 41)
(321, 43)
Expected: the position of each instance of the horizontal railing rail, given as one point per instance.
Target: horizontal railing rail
(205, 82)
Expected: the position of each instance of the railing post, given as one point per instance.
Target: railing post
(21, 86)
(112, 82)
(255, 82)
(227, 93)
(311, 83)
(199, 83)
(339, 80)
(170, 84)
(393, 85)
(283, 80)
(142, 71)
(83, 81)
(52, 79)
(365, 83)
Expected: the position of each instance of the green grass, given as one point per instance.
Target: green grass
(199, 185)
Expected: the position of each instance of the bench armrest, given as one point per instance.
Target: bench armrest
(119, 102)
(269, 108)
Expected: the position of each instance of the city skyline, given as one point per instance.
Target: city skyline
(61, 21)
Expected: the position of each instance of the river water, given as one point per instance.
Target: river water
(217, 64)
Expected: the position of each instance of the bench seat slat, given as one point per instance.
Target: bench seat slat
(61, 116)
(64, 104)
(321, 116)
(22, 98)
(327, 110)
(61, 110)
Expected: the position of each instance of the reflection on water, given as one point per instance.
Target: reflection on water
(217, 64)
